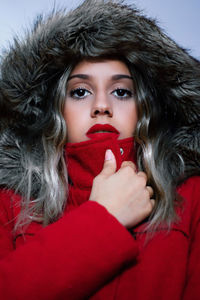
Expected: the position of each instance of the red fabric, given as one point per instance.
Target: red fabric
(87, 254)
(85, 161)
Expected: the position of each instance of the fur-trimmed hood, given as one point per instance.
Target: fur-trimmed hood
(32, 67)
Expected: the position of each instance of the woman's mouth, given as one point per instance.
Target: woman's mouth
(101, 129)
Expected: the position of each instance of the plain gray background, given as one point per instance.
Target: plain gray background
(179, 18)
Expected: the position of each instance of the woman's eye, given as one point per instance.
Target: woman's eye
(122, 93)
(79, 93)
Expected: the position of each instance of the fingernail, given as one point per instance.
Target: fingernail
(109, 155)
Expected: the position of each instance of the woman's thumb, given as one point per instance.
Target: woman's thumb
(110, 164)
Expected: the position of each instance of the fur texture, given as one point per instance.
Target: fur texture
(32, 67)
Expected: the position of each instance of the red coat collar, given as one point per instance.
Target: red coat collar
(85, 160)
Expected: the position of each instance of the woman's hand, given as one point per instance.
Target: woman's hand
(123, 193)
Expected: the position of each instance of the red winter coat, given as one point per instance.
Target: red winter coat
(88, 254)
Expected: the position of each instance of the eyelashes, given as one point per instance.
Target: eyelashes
(119, 93)
(122, 93)
(79, 93)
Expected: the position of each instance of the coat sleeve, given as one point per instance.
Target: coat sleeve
(69, 259)
(192, 288)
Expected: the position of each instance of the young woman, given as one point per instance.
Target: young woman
(99, 160)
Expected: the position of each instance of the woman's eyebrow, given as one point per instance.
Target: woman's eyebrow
(114, 77)
(82, 76)
(121, 76)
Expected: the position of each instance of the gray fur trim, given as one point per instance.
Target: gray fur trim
(12, 163)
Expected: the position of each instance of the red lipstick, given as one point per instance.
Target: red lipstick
(101, 129)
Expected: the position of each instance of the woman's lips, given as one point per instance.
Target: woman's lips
(101, 129)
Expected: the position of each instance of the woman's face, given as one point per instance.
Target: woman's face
(100, 93)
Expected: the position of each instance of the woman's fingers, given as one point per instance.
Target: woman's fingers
(124, 193)
(129, 164)
(142, 174)
(153, 202)
(110, 164)
(150, 190)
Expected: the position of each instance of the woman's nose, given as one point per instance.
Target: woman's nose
(101, 107)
